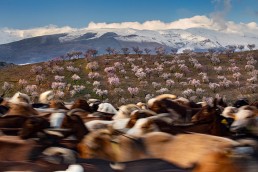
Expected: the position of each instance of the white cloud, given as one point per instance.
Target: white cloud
(47, 30)
(9, 35)
(186, 23)
(222, 9)
(196, 21)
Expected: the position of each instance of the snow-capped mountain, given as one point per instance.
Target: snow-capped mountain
(194, 38)
(46, 47)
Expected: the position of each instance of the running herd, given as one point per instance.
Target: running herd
(167, 133)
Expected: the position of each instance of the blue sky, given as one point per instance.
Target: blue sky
(24, 14)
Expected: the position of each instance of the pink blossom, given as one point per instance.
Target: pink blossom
(202, 74)
(198, 66)
(193, 61)
(215, 60)
(188, 92)
(76, 77)
(232, 60)
(140, 74)
(236, 76)
(57, 69)
(159, 68)
(199, 91)
(135, 68)
(253, 87)
(208, 100)
(149, 96)
(205, 79)
(225, 83)
(101, 93)
(183, 68)
(251, 62)
(183, 83)
(249, 67)
(118, 90)
(162, 90)
(122, 71)
(155, 84)
(143, 83)
(34, 94)
(22, 82)
(110, 70)
(178, 75)
(36, 69)
(96, 84)
(58, 85)
(170, 83)
(7, 86)
(237, 83)
(114, 80)
(234, 69)
(93, 75)
(253, 73)
(31, 88)
(148, 71)
(59, 94)
(218, 69)
(92, 66)
(72, 93)
(59, 78)
(252, 79)
(195, 82)
(133, 91)
(180, 61)
(73, 69)
(221, 77)
(166, 75)
(78, 88)
(122, 100)
(172, 68)
(40, 78)
(213, 86)
(130, 59)
(118, 65)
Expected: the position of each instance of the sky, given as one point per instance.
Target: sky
(21, 19)
(26, 14)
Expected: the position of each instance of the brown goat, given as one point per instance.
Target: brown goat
(183, 150)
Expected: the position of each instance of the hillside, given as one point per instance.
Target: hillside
(43, 48)
(128, 79)
(4, 64)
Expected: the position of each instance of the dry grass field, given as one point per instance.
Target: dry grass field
(121, 79)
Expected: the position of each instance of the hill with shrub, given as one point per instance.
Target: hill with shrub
(132, 78)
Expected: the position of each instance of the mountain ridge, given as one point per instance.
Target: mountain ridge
(43, 48)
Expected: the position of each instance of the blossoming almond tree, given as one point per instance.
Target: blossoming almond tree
(133, 91)
(22, 83)
(6, 88)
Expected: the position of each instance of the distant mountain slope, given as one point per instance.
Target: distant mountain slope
(4, 64)
(43, 48)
